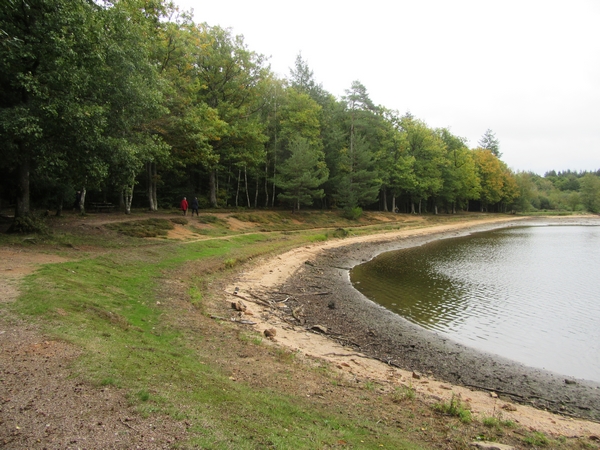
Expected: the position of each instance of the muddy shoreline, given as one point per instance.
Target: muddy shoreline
(322, 294)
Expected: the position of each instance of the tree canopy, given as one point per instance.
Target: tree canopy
(133, 102)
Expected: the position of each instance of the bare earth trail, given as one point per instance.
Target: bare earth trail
(42, 406)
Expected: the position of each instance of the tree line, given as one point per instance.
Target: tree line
(112, 98)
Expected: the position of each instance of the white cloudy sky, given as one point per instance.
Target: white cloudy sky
(527, 69)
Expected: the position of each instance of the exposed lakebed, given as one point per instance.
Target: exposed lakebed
(356, 321)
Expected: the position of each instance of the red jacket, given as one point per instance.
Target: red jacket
(184, 205)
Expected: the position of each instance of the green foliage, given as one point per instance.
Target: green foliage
(353, 213)
(302, 174)
(28, 224)
(497, 422)
(537, 439)
(340, 233)
(489, 142)
(590, 192)
(454, 407)
(230, 263)
(403, 393)
(112, 98)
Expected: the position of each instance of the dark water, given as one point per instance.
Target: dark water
(531, 294)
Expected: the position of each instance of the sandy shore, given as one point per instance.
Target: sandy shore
(305, 295)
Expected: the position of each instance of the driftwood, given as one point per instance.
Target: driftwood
(347, 354)
(256, 298)
(212, 316)
(313, 293)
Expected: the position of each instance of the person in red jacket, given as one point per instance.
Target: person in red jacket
(184, 206)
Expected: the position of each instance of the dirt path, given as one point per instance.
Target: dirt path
(263, 280)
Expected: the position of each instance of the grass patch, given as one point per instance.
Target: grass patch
(455, 407)
(403, 393)
(209, 219)
(498, 422)
(318, 238)
(179, 220)
(143, 228)
(537, 439)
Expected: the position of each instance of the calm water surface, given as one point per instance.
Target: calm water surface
(531, 294)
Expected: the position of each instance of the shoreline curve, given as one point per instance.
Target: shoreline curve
(315, 280)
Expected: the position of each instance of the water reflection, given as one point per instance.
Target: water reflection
(528, 293)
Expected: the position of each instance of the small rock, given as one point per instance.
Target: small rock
(270, 333)
(238, 306)
(493, 395)
(594, 438)
(509, 407)
(319, 328)
(567, 381)
(331, 305)
(416, 376)
(491, 446)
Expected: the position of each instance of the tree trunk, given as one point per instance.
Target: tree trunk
(60, 203)
(82, 201)
(22, 207)
(412, 207)
(154, 185)
(266, 184)
(394, 203)
(274, 151)
(385, 208)
(128, 196)
(150, 189)
(246, 186)
(273, 186)
(256, 194)
(213, 187)
(237, 191)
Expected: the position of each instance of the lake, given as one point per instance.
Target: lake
(531, 294)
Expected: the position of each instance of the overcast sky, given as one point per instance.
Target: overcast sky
(527, 69)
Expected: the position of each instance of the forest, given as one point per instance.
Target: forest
(131, 102)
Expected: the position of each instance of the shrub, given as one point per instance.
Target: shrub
(341, 233)
(353, 213)
(28, 224)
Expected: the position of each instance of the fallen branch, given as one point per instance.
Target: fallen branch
(347, 354)
(257, 299)
(314, 293)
